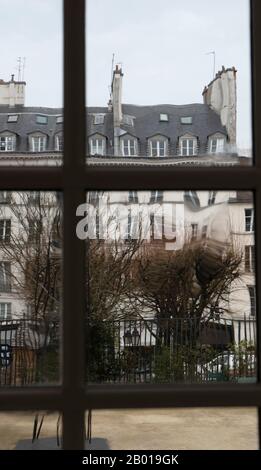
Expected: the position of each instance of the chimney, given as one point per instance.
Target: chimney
(221, 96)
(12, 93)
(116, 96)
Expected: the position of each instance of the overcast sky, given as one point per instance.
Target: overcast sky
(161, 44)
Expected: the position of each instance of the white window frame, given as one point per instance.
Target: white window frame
(128, 120)
(4, 230)
(129, 147)
(252, 297)
(5, 266)
(38, 143)
(5, 311)
(95, 146)
(249, 219)
(249, 258)
(186, 120)
(59, 142)
(185, 146)
(6, 197)
(164, 117)
(216, 145)
(8, 140)
(159, 146)
(98, 119)
(12, 118)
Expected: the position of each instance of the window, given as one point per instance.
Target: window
(33, 197)
(249, 220)
(204, 231)
(212, 198)
(186, 120)
(217, 145)
(41, 119)
(59, 143)
(156, 196)
(5, 276)
(252, 296)
(128, 120)
(188, 147)
(12, 118)
(97, 146)
(34, 231)
(5, 311)
(5, 230)
(59, 119)
(133, 197)
(194, 232)
(158, 148)
(98, 118)
(5, 197)
(249, 258)
(38, 143)
(7, 143)
(129, 147)
(164, 117)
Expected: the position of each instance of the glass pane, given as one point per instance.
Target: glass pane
(205, 85)
(30, 287)
(31, 84)
(167, 429)
(30, 430)
(170, 286)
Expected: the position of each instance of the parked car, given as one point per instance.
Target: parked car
(229, 365)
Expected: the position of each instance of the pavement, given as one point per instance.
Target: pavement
(158, 429)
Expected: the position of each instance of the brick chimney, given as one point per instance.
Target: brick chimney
(12, 93)
(221, 96)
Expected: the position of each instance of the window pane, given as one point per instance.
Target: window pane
(206, 86)
(171, 293)
(31, 85)
(19, 430)
(30, 287)
(167, 429)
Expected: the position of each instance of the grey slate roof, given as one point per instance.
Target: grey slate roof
(146, 124)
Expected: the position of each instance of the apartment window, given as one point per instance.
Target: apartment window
(156, 196)
(128, 120)
(7, 143)
(34, 230)
(212, 198)
(41, 119)
(186, 120)
(216, 145)
(249, 258)
(129, 147)
(5, 230)
(204, 231)
(5, 276)
(33, 197)
(97, 146)
(158, 148)
(5, 197)
(194, 232)
(5, 311)
(59, 119)
(12, 118)
(249, 220)
(188, 147)
(98, 118)
(252, 296)
(38, 143)
(59, 142)
(133, 197)
(164, 117)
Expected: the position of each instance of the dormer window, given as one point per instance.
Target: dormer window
(128, 120)
(7, 142)
(59, 119)
(12, 118)
(216, 144)
(41, 119)
(98, 118)
(128, 147)
(38, 142)
(158, 146)
(186, 120)
(59, 142)
(164, 117)
(188, 146)
(97, 145)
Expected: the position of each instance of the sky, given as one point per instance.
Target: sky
(162, 46)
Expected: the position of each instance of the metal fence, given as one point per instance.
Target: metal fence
(134, 351)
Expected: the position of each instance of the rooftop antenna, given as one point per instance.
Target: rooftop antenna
(112, 67)
(214, 61)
